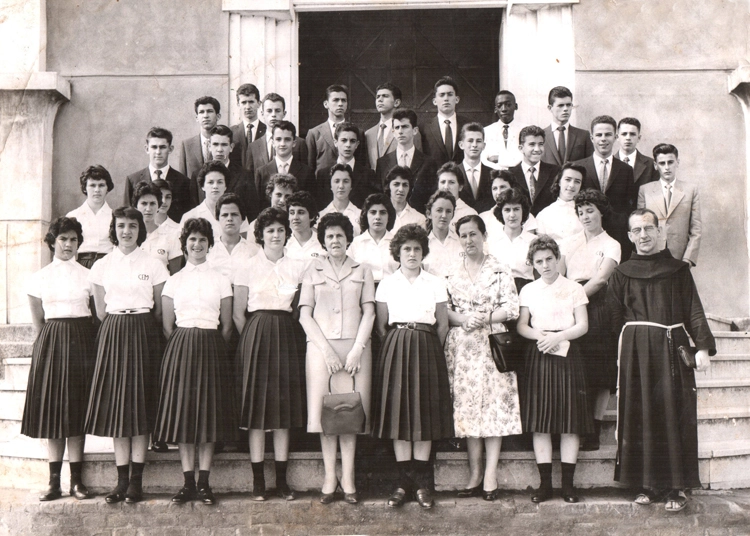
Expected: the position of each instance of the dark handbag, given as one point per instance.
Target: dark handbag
(500, 344)
(687, 354)
(342, 413)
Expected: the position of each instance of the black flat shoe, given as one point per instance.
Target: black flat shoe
(327, 498)
(51, 494)
(397, 498)
(569, 495)
(541, 495)
(476, 491)
(184, 495)
(490, 495)
(159, 446)
(259, 492)
(285, 492)
(424, 498)
(80, 492)
(351, 498)
(206, 496)
(134, 493)
(590, 443)
(115, 496)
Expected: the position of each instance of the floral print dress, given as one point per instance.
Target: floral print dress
(485, 402)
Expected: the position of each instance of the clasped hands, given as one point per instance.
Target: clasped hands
(353, 360)
(549, 341)
(475, 321)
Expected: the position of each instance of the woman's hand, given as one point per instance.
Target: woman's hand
(354, 359)
(473, 321)
(332, 361)
(549, 342)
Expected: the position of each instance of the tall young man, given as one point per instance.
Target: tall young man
(533, 175)
(564, 142)
(379, 138)
(250, 128)
(477, 192)
(628, 136)
(440, 135)
(193, 152)
(347, 137)
(321, 146)
(283, 136)
(501, 150)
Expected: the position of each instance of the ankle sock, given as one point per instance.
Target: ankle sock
(76, 468)
(189, 477)
(545, 475)
(203, 479)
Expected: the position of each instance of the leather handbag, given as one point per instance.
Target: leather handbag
(687, 354)
(500, 344)
(342, 413)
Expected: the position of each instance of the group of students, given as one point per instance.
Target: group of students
(398, 280)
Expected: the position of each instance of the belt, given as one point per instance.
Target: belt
(140, 311)
(90, 255)
(417, 326)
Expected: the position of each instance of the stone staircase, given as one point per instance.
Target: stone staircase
(723, 433)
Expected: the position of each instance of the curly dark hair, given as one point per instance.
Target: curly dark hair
(371, 201)
(210, 166)
(555, 188)
(335, 219)
(514, 196)
(60, 226)
(305, 200)
(505, 175)
(131, 214)
(267, 217)
(440, 194)
(541, 243)
(96, 173)
(230, 199)
(196, 225)
(145, 188)
(280, 180)
(398, 172)
(469, 219)
(414, 232)
(589, 196)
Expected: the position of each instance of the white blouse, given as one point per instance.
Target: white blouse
(512, 252)
(412, 302)
(63, 287)
(551, 306)
(583, 259)
(375, 255)
(462, 209)
(128, 280)
(202, 211)
(228, 264)
(163, 244)
(559, 220)
(443, 255)
(304, 252)
(271, 285)
(95, 228)
(491, 222)
(197, 291)
(351, 211)
(408, 216)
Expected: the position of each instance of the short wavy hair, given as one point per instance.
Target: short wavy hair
(398, 172)
(469, 219)
(413, 232)
(589, 196)
(196, 225)
(513, 196)
(555, 188)
(305, 200)
(454, 169)
(230, 198)
(131, 214)
(145, 188)
(281, 180)
(210, 166)
(503, 175)
(335, 219)
(267, 217)
(60, 226)
(96, 173)
(541, 243)
(440, 194)
(371, 201)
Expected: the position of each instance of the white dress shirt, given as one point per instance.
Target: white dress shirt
(512, 252)
(400, 156)
(665, 188)
(598, 163)
(271, 285)
(559, 220)
(472, 179)
(351, 211)
(526, 173)
(495, 146)
(152, 172)
(95, 228)
(63, 287)
(551, 306)
(454, 126)
(583, 258)
(229, 263)
(412, 302)
(375, 255)
(281, 163)
(631, 158)
(197, 291)
(443, 255)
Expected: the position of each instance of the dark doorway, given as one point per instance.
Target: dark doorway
(412, 49)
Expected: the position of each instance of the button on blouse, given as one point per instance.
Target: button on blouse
(412, 302)
(271, 285)
(197, 291)
(63, 287)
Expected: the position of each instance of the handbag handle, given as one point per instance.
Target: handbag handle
(330, 377)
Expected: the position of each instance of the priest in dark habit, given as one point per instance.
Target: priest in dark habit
(654, 305)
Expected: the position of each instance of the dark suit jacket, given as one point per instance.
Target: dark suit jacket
(189, 156)
(483, 201)
(303, 174)
(364, 183)
(239, 153)
(178, 183)
(239, 183)
(644, 171)
(424, 170)
(257, 155)
(622, 196)
(544, 180)
(433, 144)
(371, 140)
(578, 146)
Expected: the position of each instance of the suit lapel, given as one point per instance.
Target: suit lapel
(551, 145)
(640, 166)
(261, 131)
(655, 199)
(434, 127)
(328, 137)
(542, 178)
(416, 161)
(677, 195)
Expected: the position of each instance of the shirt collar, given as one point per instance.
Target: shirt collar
(631, 157)
(245, 122)
(469, 167)
(664, 183)
(598, 159)
(554, 125)
(350, 163)
(164, 171)
(451, 118)
(525, 167)
(400, 151)
(190, 267)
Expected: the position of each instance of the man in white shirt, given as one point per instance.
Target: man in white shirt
(501, 149)
(230, 250)
(379, 138)
(193, 152)
(628, 136)
(251, 128)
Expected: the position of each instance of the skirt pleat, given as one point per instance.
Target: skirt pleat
(124, 391)
(599, 346)
(555, 393)
(195, 402)
(411, 394)
(271, 361)
(57, 391)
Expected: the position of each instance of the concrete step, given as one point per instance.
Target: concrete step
(732, 342)
(15, 349)
(723, 393)
(11, 402)
(726, 366)
(17, 332)
(16, 372)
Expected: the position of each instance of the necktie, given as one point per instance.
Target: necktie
(474, 185)
(285, 167)
(271, 151)
(669, 196)
(532, 183)
(603, 178)
(561, 149)
(448, 139)
(207, 151)
(249, 133)
(626, 160)
(381, 139)
(158, 174)
(404, 163)
(505, 135)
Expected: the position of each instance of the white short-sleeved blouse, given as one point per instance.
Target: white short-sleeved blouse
(462, 209)
(304, 252)
(95, 228)
(375, 255)
(128, 280)
(412, 302)
(163, 244)
(63, 287)
(351, 211)
(229, 263)
(583, 258)
(492, 223)
(512, 252)
(551, 306)
(202, 211)
(408, 216)
(559, 220)
(443, 255)
(271, 285)
(197, 291)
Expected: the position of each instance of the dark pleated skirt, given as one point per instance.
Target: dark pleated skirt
(411, 392)
(599, 346)
(271, 360)
(57, 392)
(195, 401)
(555, 393)
(125, 389)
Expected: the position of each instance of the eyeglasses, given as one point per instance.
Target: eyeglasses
(649, 229)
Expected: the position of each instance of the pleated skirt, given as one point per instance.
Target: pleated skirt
(599, 345)
(195, 400)
(125, 388)
(271, 361)
(57, 391)
(411, 391)
(555, 393)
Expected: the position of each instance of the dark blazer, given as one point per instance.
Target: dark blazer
(321, 147)
(622, 195)
(239, 153)
(189, 156)
(578, 146)
(239, 183)
(371, 140)
(544, 180)
(300, 171)
(178, 183)
(257, 155)
(364, 183)
(483, 201)
(644, 171)
(433, 144)
(424, 170)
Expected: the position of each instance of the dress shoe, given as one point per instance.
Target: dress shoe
(219, 447)
(569, 495)
(590, 443)
(134, 494)
(424, 498)
(159, 446)
(476, 491)
(541, 495)
(54, 492)
(490, 495)
(397, 498)
(351, 498)
(116, 495)
(327, 498)
(184, 495)
(259, 492)
(80, 492)
(285, 492)
(206, 496)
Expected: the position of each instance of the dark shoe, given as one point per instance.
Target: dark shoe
(206, 496)
(219, 447)
(116, 495)
(351, 498)
(541, 495)
(52, 493)
(285, 492)
(476, 491)
(80, 492)
(134, 493)
(184, 495)
(159, 446)
(424, 498)
(327, 498)
(490, 495)
(259, 492)
(569, 495)
(590, 442)
(397, 498)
